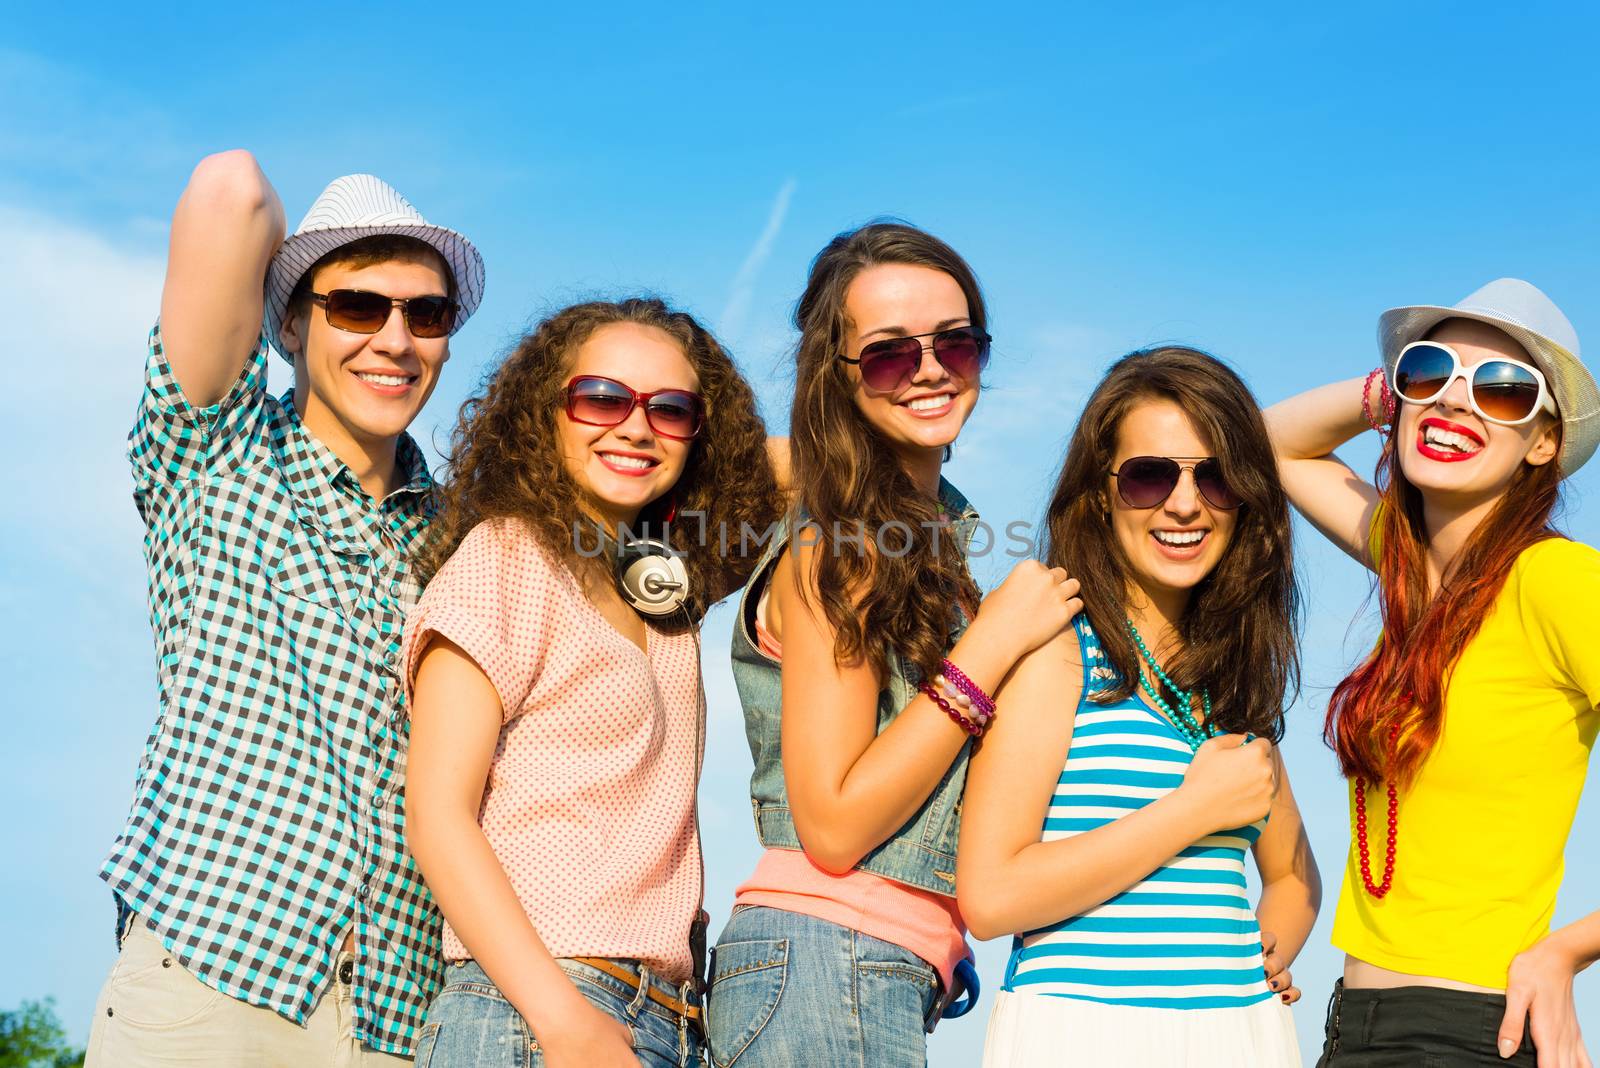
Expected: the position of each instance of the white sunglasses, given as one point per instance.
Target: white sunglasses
(1504, 391)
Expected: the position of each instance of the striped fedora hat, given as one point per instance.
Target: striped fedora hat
(354, 207)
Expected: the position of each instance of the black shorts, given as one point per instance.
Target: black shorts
(1417, 1027)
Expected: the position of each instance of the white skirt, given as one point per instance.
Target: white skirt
(1038, 1029)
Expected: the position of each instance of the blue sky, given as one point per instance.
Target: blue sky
(1256, 183)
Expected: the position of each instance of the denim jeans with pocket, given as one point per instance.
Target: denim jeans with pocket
(788, 989)
(472, 1025)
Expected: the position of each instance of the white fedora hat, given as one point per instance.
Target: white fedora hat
(1533, 320)
(354, 207)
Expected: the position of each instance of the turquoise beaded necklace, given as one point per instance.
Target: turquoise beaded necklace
(1182, 716)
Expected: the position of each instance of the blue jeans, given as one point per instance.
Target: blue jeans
(788, 990)
(470, 1024)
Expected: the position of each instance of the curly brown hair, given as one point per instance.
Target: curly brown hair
(1241, 625)
(505, 456)
(848, 476)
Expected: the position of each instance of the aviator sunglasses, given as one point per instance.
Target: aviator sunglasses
(1504, 391)
(889, 364)
(597, 401)
(361, 312)
(1146, 481)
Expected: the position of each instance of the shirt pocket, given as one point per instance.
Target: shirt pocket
(313, 568)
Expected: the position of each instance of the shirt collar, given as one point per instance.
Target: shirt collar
(955, 504)
(327, 492)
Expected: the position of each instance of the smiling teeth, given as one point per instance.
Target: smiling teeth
(383, 380)
(925, 404)
(1433, 435)
(627, 461)
(1173, 537)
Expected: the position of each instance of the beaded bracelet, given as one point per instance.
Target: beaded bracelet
(954, 694)
(950, 710)
(980, 700)
(1385, 402)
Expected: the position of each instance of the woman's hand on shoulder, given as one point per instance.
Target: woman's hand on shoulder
(1032, 605)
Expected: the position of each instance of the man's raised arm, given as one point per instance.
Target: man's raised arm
(227, 225)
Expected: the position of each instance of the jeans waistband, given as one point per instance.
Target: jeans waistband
(469, 971)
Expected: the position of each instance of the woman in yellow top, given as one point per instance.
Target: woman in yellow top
(1467, 733)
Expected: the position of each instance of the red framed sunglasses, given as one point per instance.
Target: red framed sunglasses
(600, 401)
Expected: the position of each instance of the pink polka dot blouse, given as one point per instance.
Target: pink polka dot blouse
(590, 800)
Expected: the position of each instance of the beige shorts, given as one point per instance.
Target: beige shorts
(153, 1012)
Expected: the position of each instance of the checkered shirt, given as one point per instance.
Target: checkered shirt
(268, 813)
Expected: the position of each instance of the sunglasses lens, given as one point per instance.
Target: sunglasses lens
(887, 365)
(1504, 390)
(430, 316)
(1146, 481)
(357, 312)
(1423, 372)
(1213, 487)
(674, 414)
(964, 353)
(598, 402)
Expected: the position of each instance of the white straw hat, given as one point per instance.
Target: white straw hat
(354, 207)
(1533, 320)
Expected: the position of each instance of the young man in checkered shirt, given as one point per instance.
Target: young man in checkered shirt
(268, 912)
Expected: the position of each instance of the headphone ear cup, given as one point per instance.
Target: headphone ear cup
(654, 583)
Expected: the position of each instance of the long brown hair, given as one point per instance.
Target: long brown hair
(505, 456)
(850, 480)
(1240, 628)
(1385, 717)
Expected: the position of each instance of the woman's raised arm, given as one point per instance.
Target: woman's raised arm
(1305, 429)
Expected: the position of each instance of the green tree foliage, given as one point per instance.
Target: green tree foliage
(32, 1037)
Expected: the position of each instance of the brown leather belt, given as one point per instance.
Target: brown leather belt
(634, 981)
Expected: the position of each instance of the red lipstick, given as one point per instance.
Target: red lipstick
(1446, 456)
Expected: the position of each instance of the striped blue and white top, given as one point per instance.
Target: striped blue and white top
(1185, 937)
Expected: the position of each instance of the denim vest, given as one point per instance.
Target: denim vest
(923, 852)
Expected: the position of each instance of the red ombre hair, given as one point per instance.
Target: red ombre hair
(1399, 690)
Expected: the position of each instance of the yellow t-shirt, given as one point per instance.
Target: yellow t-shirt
(1483, 828)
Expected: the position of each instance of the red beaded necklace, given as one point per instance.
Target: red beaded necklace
(1380, 889)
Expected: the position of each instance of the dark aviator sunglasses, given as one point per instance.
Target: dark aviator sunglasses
(889, 364)
(1147, 481)
(361, 312)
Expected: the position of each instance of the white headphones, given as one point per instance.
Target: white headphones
(651, 577)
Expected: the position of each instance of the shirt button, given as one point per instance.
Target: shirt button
(363, 891)
(377, 799)
(391, 659)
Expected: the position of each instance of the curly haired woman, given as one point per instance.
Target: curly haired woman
(1466, 734)
(557, 732)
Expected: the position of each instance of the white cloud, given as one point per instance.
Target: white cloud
(69, 136)
(85, 305)
(731, 322)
